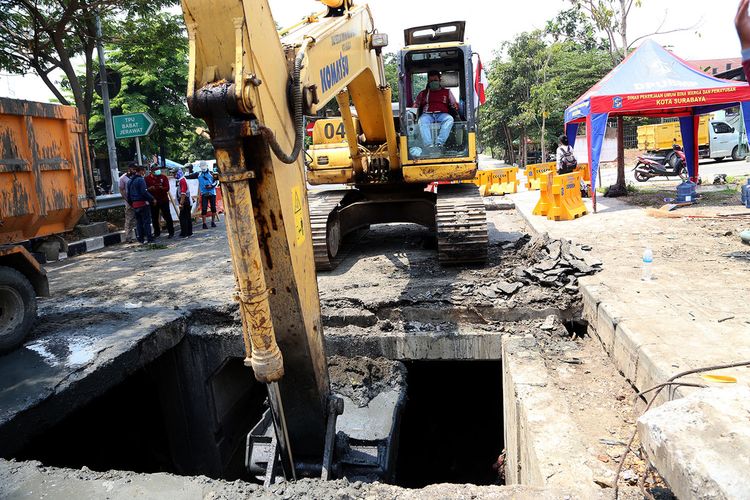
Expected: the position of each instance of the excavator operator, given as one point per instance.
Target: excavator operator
(435, 104)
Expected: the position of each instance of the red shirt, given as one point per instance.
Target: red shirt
(436, 101)
(158, 186)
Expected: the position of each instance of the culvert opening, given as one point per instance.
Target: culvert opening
(452, 425)
(577, 327)
(185, 413)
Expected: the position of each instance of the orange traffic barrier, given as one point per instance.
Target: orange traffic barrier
(545, 193)
(567, 203)
(219, 200)
(534, 174)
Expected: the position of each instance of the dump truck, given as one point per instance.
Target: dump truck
(46, 183)
(716, 139)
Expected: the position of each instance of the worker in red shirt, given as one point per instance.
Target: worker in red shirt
(435, 104)
(158, 185)
(742, 23)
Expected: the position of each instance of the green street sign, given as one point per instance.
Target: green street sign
(132, 125)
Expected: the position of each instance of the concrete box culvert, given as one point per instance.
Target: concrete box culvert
(201, 384)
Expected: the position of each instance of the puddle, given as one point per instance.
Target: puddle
(68, 352)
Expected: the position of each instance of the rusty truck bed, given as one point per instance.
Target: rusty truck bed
(45, 171)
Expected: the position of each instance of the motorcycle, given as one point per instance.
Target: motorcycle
(668, 164)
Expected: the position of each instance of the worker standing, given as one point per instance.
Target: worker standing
(208, 194)
(122, 185)
(158, 185)
(566, 158)
(742, 23)
(186, 216)
(140, 198)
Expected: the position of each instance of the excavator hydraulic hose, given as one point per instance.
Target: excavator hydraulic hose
(299, 133)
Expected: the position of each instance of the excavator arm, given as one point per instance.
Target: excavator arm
(240, 75)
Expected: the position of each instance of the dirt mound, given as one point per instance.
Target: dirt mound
(361, 379)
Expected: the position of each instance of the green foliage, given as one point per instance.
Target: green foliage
(151, 55)
(45, 35)
(534, 78)
(390, 62)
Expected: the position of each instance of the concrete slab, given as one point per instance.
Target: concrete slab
(52, 375)
(548, 441)
(109, 314)
(700, 444)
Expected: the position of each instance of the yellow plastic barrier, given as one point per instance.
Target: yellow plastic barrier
(567, 203)
(545, 193)
(496, 181)
(585, 171)
(505, 181)
(534, 173)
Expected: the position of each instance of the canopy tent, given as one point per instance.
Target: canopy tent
(653, 82)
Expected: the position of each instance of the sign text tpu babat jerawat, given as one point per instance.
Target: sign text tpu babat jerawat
(132, 125)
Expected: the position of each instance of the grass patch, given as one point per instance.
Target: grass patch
(654, 198)
(151, 246)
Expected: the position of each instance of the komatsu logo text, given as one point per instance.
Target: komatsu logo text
(334, 72)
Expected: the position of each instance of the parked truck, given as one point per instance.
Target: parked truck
(716, 139)
(46, 183)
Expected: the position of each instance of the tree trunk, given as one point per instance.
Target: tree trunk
(509, 152)
(619, 188)
(524, 156)
(544, 135)
(67, 67)
(624, 30)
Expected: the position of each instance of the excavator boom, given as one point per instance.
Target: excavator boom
(238, 80)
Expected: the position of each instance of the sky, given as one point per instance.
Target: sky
(490, 23)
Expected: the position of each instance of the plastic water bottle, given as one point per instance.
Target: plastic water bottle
(746, 194)
(648, 259)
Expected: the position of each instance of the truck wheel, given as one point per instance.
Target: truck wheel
(739, 154)
(17, 308)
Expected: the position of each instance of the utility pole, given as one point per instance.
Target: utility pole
(107, 112)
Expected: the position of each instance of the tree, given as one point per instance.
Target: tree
(390, 62)
(611, 18)
(151, 54)
(533, 80)
(46, 35)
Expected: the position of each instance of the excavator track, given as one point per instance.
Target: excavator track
(326, 233)
(461, 224)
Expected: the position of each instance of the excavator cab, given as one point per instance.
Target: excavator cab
(428, 138)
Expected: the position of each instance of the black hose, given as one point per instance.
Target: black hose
(299, 133)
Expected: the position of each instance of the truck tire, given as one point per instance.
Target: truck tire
(739, 154)
(17, 308)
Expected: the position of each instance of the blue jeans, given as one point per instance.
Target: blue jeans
(425, 122)
(143, 223)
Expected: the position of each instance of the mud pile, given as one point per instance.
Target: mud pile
(361, 379)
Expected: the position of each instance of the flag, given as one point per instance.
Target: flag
(480, 84)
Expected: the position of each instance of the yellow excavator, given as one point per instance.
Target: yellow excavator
(253, 85)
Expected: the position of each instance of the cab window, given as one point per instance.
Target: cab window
(721, 128)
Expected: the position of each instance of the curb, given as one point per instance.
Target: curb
(95, 243)
(527, 218)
